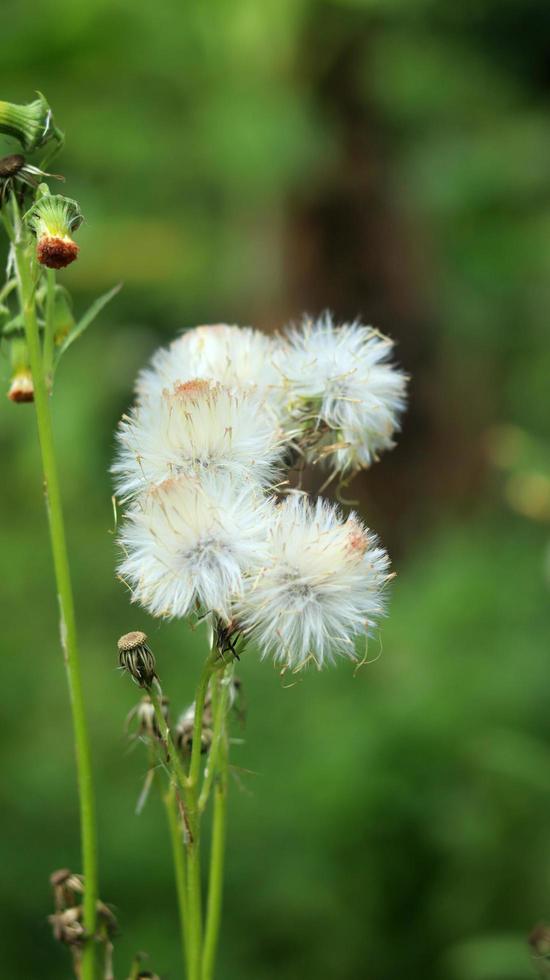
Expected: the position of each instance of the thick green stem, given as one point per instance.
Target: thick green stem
(24, 263)
(180, 871)
(217, 769)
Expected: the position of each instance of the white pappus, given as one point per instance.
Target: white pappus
(189, 542)
(341, 379)
(197, 427)
(319, 587)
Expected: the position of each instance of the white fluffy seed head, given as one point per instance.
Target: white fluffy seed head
(188, 543)
(234, 356)
(342, 379)
(197, 427)
(319, 587)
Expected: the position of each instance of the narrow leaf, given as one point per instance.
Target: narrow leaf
(88, 318)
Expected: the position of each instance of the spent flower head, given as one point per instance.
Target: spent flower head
(342, 384)
(197, 427)
(136, 657)
(319, 587)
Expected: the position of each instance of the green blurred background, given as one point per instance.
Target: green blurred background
(245, 161)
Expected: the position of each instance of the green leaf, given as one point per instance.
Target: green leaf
(88, 318)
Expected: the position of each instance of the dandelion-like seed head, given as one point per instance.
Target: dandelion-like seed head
(341, 380)
(188, 543)
(198, 427)
(320, 587)
(238, 357)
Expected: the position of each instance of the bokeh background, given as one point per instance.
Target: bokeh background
(243, 162)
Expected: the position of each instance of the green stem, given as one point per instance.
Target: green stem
(24, 262)
(172, 755)
(217, 853)
(193, 847)
(49, 328)
(178, 852)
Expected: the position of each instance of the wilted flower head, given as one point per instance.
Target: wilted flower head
(340, 378)
(53, 219)
(188, 543)
(235, 356)
(197, 427)
(15, 172)
(320, 586)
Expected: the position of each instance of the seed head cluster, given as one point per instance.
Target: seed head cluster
(220, 415)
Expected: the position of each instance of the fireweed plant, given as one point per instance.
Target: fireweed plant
(224, 419)
(37, 327)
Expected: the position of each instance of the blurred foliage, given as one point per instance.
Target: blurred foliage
(242, 161)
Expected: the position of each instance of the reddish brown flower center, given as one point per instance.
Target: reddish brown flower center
(56, 253)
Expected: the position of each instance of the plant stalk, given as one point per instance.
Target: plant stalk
(24, 265)
(180, 872)
(217, 770)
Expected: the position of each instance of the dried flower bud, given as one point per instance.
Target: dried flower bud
(31, 124)
(67, 926)
(144, 713)
(67, 888)
(53, 218)
(184, 728)
(135, 656)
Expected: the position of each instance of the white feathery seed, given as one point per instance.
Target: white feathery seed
(197, 427)
(188, 543)
(319, 586)
(234, 356)
(342, 379)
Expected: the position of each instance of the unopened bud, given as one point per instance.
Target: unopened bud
(32, 124)
(21, 384)
(53, 219)
(135, 656)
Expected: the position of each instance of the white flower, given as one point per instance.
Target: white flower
(188, 542)
(319, 586)
(197, 427)
(341, 377)
(235, 356)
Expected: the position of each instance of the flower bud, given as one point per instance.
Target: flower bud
(53, 218)
(135, 656)
(21, 384)
(31, 124)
